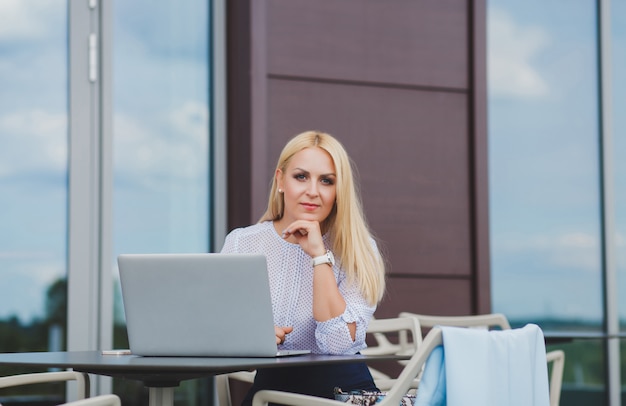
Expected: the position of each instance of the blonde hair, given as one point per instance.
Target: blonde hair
(350, 236)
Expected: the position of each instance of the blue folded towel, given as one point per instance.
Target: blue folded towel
(486, 368)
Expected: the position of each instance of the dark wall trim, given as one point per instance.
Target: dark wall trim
(238, 60)
(480, 158)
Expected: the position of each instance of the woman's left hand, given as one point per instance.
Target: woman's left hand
(281, 333)
(308, 235)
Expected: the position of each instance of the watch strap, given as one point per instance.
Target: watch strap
(327, 258)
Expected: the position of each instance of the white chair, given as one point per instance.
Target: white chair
(82, 380)
(222, 386)
(496, 320)
(400, 387)
(82, 388)
(379, 329)
(557, 358)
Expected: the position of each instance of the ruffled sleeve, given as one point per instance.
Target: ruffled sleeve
(333, 336)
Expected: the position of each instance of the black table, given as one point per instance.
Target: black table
(162, 374)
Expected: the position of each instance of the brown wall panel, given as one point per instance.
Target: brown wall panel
(410, 148)
(426, 296)
(422, 43)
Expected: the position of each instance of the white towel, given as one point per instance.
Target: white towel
(487, 368)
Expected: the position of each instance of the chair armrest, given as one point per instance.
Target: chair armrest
(264, 397)
(102, 400)
(385, 385)
(81, 379)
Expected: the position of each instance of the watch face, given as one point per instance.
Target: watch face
(331, 257)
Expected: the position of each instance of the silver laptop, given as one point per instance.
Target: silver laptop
(214, 305)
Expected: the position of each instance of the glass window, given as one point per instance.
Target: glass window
(544, 167)
(33, 178)
(161, 72)
(584, 375)
(544, 174)
(33, 160)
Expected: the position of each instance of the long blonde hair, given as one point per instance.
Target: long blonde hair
(350, 236)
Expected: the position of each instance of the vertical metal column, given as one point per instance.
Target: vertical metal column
(219, 153)
(105, 130)
(219, 194)
(84, 191)
(90, 298)
(608, 205)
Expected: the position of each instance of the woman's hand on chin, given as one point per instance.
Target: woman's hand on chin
(308, 235)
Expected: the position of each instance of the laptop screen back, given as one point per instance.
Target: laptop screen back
(197, 304)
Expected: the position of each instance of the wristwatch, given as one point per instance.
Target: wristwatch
(327, 258)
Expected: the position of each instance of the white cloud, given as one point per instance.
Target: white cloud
(577, 251)
(191, 120)
(562, 252)
(566, 251)
(28, 19)
(176, 147)
(512, 48)
(35, 140)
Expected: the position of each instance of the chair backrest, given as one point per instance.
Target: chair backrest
(222, 385)
(496, 320)
(413, 368)
(222, 389)
(400, 325)
(409, 338)
(82, 380)
(557, 358)
(478, 321)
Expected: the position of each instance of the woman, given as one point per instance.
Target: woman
(326, 274)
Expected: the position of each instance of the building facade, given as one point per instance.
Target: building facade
(487, 135)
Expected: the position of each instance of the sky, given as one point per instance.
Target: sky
(33, 152)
